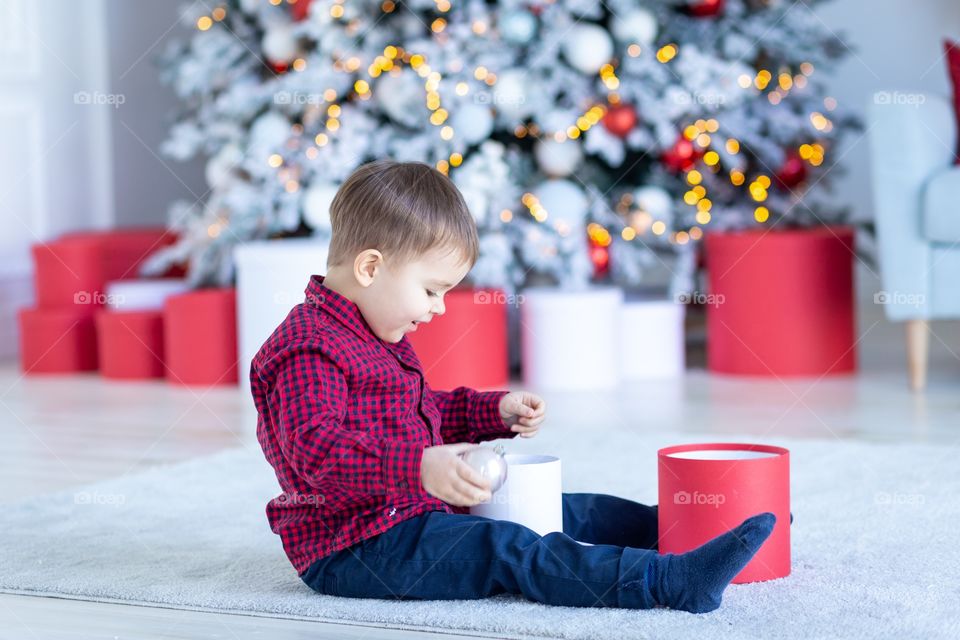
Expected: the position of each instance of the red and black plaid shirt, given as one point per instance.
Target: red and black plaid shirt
(344, 418)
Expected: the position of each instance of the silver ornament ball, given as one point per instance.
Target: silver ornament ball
(490, 463)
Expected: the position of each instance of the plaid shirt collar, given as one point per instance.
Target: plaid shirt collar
(341, 308)
(347, 313)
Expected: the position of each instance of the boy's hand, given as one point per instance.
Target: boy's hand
(445, 475)
(522, 412)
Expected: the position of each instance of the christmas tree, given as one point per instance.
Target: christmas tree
(590, 140)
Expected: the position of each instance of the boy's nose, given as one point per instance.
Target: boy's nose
(439, 309)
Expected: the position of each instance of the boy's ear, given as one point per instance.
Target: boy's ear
(366, 265)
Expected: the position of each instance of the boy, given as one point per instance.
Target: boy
(375, 496)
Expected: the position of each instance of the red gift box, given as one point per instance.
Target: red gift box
(467, 345)
(130, 344)
(57, 341)
(707, 489)
(74, 269)
(781, 302)
(200, 337)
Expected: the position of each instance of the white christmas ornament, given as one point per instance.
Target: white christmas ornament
(558, 159)
(269, 132)
(587, 48)
(655, 201)
(473, 123)
(316, 205)
(518, 27)
(219, 169)
(639, 26)
(510, 93)
(279, 43)
(565, 203)
(399, 96)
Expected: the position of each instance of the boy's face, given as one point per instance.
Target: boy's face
(400, 297)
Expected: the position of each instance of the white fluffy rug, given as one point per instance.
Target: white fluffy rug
(874, 548)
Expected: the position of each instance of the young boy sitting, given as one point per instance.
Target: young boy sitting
(376, 497)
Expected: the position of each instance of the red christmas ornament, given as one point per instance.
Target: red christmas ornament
(300, 9)
(599, 256)
(620, 120)
(682, 156)
(793, 171)
(705, 8)
(279, 67)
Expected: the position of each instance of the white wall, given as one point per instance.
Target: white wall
(145, 181)
(65, 165)
(55, 156)
(82, 116)
(895, 45)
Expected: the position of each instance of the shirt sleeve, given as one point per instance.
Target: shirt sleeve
(470, 416)
(308, 404)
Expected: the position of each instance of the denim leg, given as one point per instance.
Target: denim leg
(603, 519)
(443, 556)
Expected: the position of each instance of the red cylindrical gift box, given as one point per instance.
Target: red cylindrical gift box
(781, 302)
(200, 337)
(467, 345)
(130, 344)
(57, 340)
(707, 489)
(75, 268)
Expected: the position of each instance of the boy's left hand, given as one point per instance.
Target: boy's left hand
(522, 412)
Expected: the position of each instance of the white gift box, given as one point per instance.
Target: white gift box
(272, 276)
(531, 496)
(142, 295)
(571, 338)
(652, 339)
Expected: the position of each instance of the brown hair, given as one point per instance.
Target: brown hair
(402, 209)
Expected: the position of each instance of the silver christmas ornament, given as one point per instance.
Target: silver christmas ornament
(491, 464)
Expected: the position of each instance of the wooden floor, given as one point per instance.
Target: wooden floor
(58, 432)
(26, 617)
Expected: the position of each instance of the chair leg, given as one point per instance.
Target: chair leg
(918, 345)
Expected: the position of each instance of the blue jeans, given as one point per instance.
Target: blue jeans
(443, 556)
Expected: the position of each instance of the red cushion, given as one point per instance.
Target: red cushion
(953, 68)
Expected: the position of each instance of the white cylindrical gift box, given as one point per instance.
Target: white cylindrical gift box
(531, 496)
(272, 276)
(570, 338)
(142, 295)
(652, 339)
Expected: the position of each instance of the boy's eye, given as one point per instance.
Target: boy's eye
(431, 293)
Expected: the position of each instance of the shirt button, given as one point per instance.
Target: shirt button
(403, 484)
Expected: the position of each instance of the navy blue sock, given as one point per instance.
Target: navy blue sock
(695, 581)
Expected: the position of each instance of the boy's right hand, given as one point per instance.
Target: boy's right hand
(446, 476)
